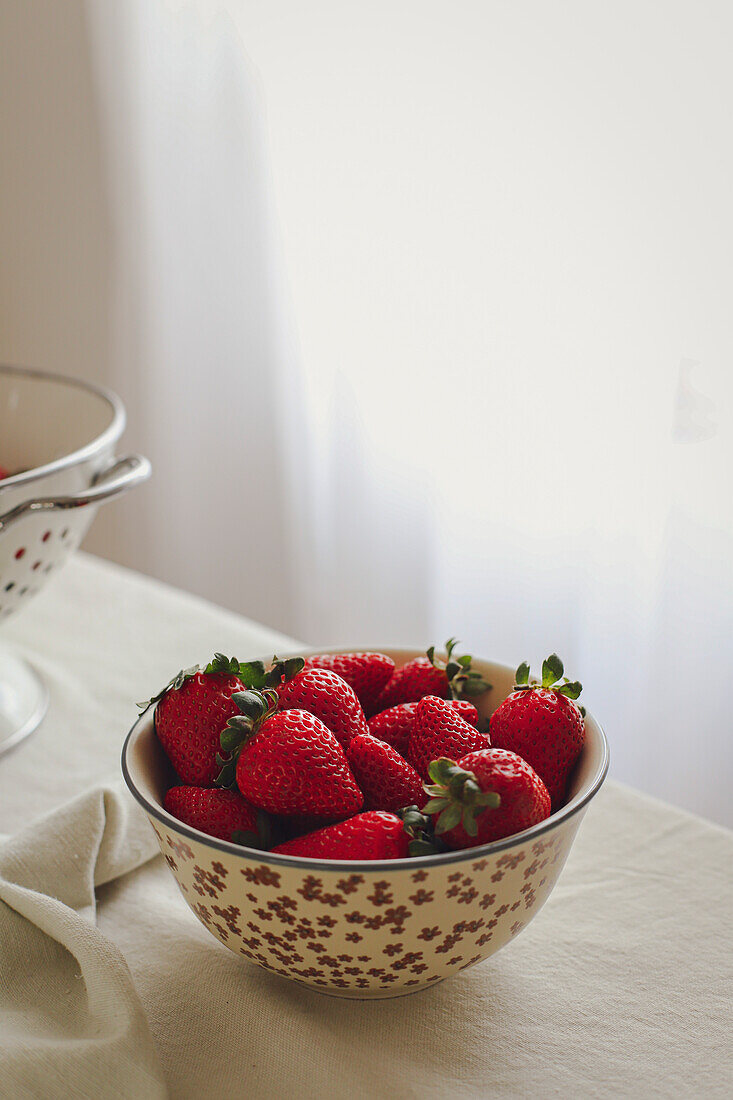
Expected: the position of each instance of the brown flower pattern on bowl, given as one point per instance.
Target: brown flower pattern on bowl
(366, 929)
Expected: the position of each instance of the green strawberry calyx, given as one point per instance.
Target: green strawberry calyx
(173, 685)
(255, 707)
(282, 671)
(456, 797)
(260, 838)
(552, 672)
(219, 665)
(256, 704)
(255, 674)
(462, 679)
(420, 828)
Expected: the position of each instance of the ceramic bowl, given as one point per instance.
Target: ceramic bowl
(366, 930)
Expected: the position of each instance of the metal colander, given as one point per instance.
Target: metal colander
(57, 440)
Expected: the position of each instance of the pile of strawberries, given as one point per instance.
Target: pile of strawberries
(344, 756)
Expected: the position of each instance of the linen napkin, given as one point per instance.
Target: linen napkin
(71, 1022)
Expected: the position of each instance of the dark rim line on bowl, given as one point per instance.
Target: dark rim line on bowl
(110, 434)
(380, 865)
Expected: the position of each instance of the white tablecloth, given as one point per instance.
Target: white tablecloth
(621, 987)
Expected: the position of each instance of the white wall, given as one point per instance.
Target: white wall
(135, 250)
(509, 237)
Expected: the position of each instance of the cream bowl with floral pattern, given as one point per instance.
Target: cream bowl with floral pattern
(364, 930)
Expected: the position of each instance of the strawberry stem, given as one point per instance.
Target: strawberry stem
(282, 671)
(456, 797)
(552, 671)
(219, 665)
(462, 679)
(255, 707)
(419, 827)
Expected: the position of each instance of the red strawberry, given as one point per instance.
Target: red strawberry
(543, 724)
(427, 676)
(366, 673)
(329, 697)
(466, 710)
(438, 730)
(486, 796)
(372, 835)
(287, 761)
(394, 725)
(6, 473)
(216, 812)
(388, 781)
(191, 713)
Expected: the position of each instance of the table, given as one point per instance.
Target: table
(621, 987)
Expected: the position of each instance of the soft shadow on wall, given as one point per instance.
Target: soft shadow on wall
(137, 249)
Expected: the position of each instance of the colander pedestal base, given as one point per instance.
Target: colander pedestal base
(23, 699)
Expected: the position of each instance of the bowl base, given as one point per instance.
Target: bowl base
(23, 700)
(366, 995)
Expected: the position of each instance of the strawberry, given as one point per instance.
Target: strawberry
(428, 676)
(467, 711)
(325, 694)
(486, 796)
(366, 673)
(224, 814)
(388, 781)
(394, 725)
(286, 761)
(371, 835)
(6, 473)
(438, 730)
(543, 724)
(191, 712)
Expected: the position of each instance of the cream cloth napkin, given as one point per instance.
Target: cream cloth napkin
(72, 1022)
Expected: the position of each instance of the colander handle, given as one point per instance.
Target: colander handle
(123, 474)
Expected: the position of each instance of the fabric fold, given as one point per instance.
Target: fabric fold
(71, 1014)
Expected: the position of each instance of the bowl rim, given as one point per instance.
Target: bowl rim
(573, 807)
(110, 435)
